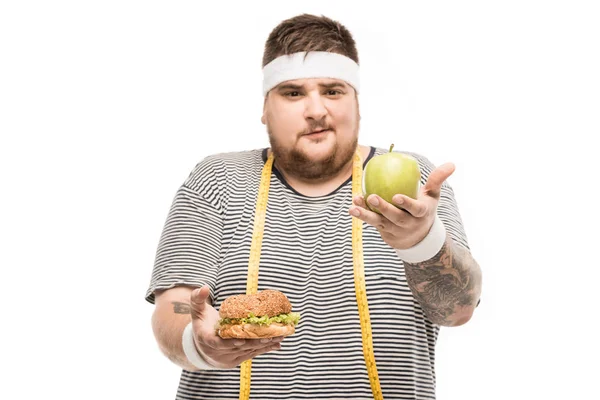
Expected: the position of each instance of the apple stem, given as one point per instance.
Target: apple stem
(391, 147)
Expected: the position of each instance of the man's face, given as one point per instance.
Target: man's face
(313, 126)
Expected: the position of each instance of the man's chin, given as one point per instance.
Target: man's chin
(317, 151)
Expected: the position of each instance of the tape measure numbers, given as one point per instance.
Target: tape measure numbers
(358, 265)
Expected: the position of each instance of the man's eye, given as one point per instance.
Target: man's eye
(292, 94)
(333, 92)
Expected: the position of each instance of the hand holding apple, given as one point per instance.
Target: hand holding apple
(402, 220)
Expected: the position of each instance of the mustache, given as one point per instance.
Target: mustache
(317, 126)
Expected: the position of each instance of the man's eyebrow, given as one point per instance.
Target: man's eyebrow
(332, 85)
(289, 86)
(292, 86)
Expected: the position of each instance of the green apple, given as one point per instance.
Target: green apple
(389, 174)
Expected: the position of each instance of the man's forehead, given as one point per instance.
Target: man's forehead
(311, 82)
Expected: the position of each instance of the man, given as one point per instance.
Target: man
(418, 271)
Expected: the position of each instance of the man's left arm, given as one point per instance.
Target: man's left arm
(448, 286)
(442, 274)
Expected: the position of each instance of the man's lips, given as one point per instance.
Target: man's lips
(317, 131)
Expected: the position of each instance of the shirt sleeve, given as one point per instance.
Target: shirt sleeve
(189, 249)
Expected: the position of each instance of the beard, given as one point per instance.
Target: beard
(300, 165)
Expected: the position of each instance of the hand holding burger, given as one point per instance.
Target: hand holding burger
(217, 351)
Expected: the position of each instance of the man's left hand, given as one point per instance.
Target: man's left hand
(404, 227)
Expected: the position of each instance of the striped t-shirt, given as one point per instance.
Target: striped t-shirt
(306, 254)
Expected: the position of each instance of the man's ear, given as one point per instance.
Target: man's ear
(263, 118)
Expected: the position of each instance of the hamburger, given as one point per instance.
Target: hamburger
(261, 315)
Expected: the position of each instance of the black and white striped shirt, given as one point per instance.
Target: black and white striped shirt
(306, 254)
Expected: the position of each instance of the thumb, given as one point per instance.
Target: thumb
(198, 301)
(436, 178)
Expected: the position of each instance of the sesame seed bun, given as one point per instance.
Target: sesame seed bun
(266, 302)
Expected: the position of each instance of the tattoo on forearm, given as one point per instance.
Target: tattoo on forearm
(445, 284)
(181, 308)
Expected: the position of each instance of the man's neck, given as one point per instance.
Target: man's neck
(324, 187)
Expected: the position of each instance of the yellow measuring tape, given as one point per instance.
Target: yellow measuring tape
(252, 280)
(359, 273)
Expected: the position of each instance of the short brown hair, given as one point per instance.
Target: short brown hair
(307, 32)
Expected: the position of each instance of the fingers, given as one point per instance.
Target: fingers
(436, 178)
(217, 343)
(233, 356)
(229, 358)
(389, 211)
(416, 208)
(214, 342)
(254, 353)
(361, 212)
(360, 201)
(251, 345)
(198, 301)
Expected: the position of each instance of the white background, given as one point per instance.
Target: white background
(105, 107)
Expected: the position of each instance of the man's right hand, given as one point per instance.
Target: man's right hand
(222, 353)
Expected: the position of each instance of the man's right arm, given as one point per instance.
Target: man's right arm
(176, 308)
(171, 315)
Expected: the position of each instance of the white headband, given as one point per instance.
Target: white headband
(318, 64)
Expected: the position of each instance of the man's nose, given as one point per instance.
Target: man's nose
(315, 107)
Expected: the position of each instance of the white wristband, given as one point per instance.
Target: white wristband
(191, 351)
(428, 247)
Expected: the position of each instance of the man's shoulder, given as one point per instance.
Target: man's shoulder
(233, 158)
(219, 166)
